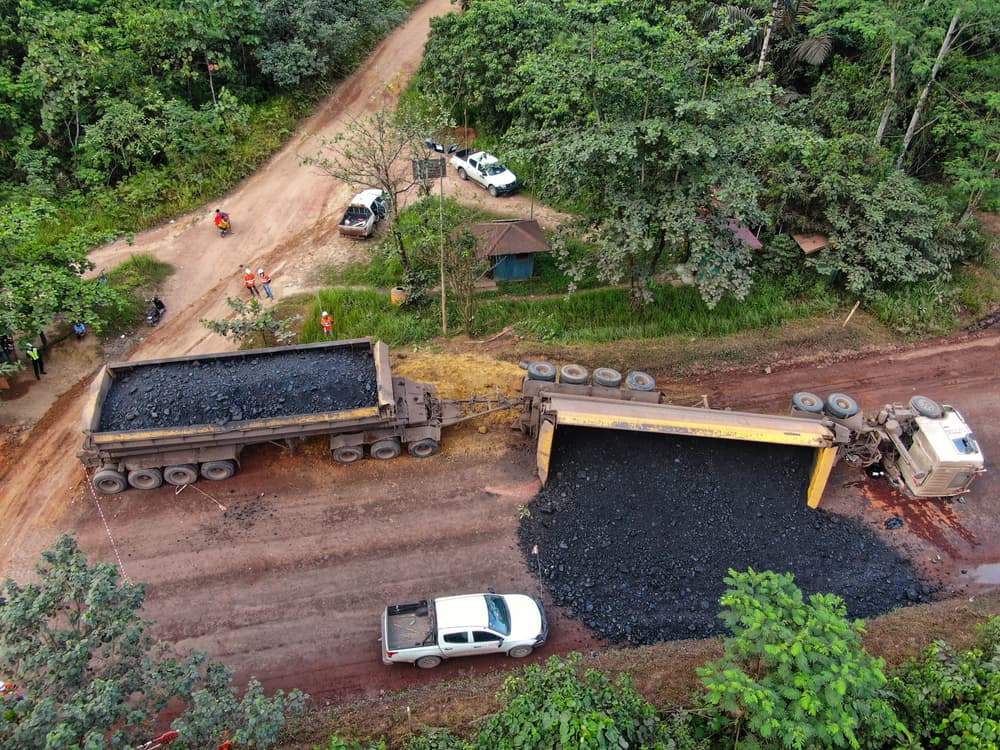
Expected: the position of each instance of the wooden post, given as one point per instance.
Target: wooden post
(851, 314)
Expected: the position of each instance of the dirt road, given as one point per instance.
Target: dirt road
(282, 571)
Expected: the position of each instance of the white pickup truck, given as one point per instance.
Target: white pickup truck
(429, 631)
(485, 169)
(365, 210)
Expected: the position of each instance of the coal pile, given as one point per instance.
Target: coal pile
(236, 389)
(635, 533)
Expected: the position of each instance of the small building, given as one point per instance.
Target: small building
(511, 247)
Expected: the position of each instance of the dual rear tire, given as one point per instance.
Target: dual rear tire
(111, 481)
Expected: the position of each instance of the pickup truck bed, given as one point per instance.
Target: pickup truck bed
(410, 625)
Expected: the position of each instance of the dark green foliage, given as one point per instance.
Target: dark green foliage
(795, 674)
(92, 676)
(948, 698)
(556, 706)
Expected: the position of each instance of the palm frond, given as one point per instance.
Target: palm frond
(814, 50)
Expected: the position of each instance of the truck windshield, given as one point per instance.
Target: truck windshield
(499, 615)
(495, 168)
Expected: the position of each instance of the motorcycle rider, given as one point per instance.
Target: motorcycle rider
(222, 221)
(154, 313)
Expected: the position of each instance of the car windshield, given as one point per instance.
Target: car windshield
(499, 615)
(495, 168)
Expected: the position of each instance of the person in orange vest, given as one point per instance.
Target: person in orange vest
(327, 322)
(265, 281)
(251, 283)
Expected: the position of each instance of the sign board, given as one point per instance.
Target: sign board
(428, 169)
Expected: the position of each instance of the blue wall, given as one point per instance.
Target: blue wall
(514, 267)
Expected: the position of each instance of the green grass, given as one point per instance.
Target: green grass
(360, 313)
(137, 279)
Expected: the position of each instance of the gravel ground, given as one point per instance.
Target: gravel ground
(635, 533)
(258, 386)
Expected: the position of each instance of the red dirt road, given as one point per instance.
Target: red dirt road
(282, 571)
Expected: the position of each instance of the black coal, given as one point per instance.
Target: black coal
(635, 533)
(236, 389)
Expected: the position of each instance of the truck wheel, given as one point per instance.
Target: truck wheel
(841, 406)
(607, 377)
(519, 652)
(807, 402)
(542, 370)
(926, 407)
(428, 662)
(180, 475)
(145, 479)
(462, 174)
(386, 450)
(493, 190)
(110, 482)
(423, 448)
(348, 454)
(574, 374)
(638, 380)
(218, 470)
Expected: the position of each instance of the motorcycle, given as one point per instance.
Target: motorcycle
(155, 313)
(225, 225)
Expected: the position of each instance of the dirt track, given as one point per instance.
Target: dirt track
(283, 572)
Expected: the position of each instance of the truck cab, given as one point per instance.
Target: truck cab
(941, 456)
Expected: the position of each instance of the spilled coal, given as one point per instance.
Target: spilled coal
(253, 386)
(635, 533)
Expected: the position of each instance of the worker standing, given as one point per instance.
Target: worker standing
(37, 363)
(327, 322)
(265, 282)
(250, 281)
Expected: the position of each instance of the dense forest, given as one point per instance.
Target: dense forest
(667, 125)
(663, 126)
(114, 113)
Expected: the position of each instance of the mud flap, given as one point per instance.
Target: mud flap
(543, 453)
(822, 467)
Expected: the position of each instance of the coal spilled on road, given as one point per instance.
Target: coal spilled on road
(635, 533)
(255, 386)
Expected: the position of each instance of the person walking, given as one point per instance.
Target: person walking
(250, 281)
(265, 282)
(327, 322)
(37, 363)
(7, 346)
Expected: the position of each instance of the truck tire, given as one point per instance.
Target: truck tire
(807, 402)
(423, 448)
(542, 370)
(493, 190)
(428, 662)
(926, 407)
(462, 174)
(386, 450)
(180, 475)
(638, 380)
(841, 406)
(218, 470)
(109, 482)
(519, 652)
(145, 479)
(348, 454)
(607, 377)
(574, 374)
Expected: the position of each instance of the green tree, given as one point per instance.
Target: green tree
(794, 674)
(948, 698)
(555, 706)
(253, 323)
(377, 151)
(92, 676)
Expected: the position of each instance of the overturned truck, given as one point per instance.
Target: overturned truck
(925, 448)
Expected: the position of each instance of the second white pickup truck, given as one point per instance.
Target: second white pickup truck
(485, 169)
(429, 631)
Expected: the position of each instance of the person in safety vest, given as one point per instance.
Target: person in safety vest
(250, 281)
(327, 322)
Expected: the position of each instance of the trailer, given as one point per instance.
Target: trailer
(144, 423)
